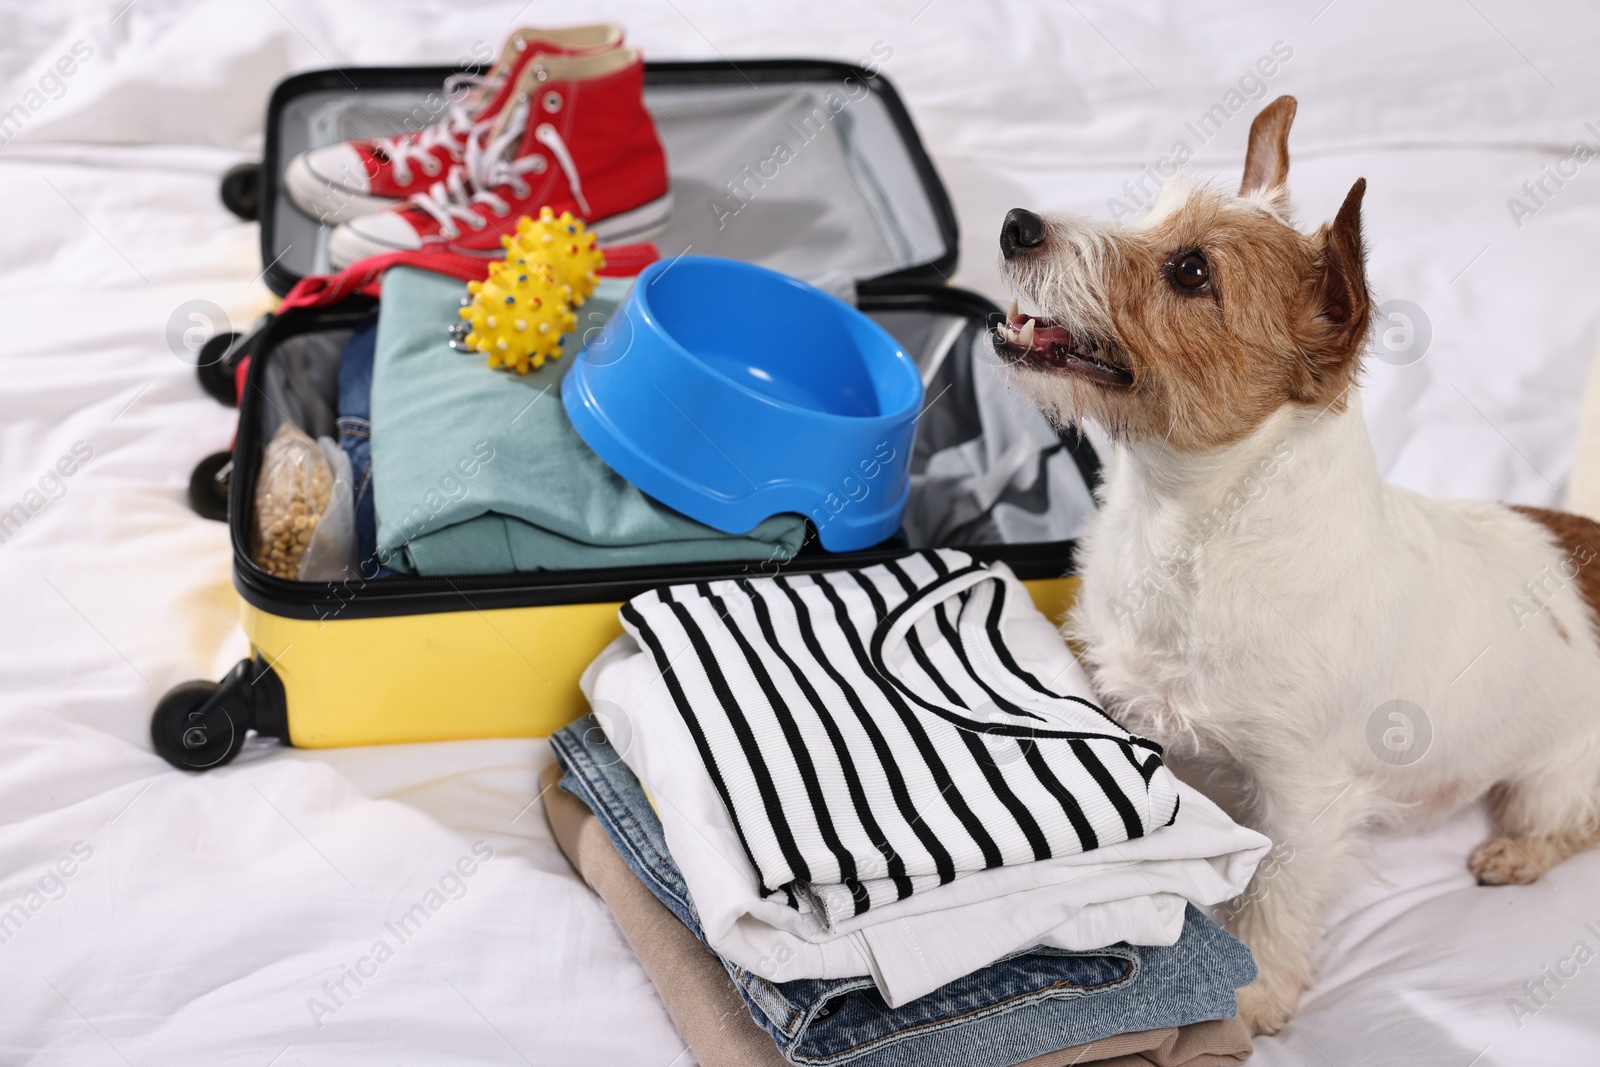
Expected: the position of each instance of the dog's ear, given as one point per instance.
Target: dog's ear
(1341, 306)
(1266, 162)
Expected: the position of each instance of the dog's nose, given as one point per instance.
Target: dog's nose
(1022, 229)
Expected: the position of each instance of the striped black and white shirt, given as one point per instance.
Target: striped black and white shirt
(872, 736)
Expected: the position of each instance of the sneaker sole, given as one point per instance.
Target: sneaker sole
(325, 202)
(643, 223)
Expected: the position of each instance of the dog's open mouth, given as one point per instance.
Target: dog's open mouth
(1039, 341)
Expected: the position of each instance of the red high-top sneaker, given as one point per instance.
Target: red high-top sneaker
(345, 181)
(575, 136)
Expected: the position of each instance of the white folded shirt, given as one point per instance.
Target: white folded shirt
(1133, 890)
(873, 736)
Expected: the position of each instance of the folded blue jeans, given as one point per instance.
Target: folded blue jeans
(355, 432)
(1025, 1005)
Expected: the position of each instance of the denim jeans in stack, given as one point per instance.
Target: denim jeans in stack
(1022, 1006)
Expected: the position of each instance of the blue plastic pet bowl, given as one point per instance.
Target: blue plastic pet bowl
(733, 393)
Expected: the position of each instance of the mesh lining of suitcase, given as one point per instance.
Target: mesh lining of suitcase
(989, 474)
(842, 200)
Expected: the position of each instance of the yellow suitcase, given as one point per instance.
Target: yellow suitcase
(426, 659)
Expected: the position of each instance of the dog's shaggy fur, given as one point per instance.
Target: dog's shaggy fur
(1252, 590)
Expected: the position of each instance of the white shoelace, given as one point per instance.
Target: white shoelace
(470, 186)
(550, 137)
(458, 126)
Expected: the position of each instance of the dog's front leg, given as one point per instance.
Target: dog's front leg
(1279, 915)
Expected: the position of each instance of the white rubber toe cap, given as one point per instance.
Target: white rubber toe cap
(371, 235)
(330, 184)
(338, 165)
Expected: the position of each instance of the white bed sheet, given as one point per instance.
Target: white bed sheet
(210, 911)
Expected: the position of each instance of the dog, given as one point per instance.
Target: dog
(1254, 593)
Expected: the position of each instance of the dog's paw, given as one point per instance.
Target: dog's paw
(1502, 861)
(1266, 1006)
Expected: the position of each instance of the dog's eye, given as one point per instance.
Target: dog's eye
(1190, 271)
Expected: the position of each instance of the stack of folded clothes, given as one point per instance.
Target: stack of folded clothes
(882, 800)
(456, 446)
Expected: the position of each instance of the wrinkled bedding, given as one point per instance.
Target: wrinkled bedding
(314, 907)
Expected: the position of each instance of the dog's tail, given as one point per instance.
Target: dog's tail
(1583, 490)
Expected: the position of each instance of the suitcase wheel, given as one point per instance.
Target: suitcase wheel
(191, 736)
(215, 370)
(208, 486)
(199, 725)
(241, 187)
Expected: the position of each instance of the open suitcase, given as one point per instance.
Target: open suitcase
(856, 209)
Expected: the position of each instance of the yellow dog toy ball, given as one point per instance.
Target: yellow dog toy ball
(564, 243)
(518, 317)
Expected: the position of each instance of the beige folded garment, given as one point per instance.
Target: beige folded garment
(713, 1021)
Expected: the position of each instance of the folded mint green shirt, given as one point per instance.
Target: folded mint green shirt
(479, 471)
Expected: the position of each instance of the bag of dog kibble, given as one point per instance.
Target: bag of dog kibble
(305, 514)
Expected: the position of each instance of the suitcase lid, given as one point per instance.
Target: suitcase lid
(810, 167)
